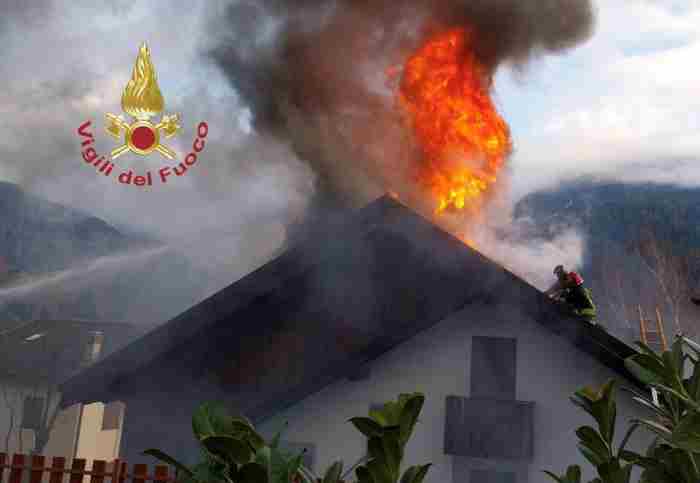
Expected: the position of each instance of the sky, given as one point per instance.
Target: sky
(625, 104)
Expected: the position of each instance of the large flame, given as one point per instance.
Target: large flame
(142, 98)
(445, 91)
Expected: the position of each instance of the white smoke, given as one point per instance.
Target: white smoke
(70, 64)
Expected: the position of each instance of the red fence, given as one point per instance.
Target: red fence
(33, 469)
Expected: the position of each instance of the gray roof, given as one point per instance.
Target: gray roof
(351, 291)
(41, 349)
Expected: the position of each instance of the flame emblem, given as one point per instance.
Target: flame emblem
(142, 100)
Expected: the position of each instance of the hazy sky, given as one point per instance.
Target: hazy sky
(626, 103)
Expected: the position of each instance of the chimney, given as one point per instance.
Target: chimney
(93, 349)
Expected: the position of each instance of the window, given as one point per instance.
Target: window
(32, 412)
(493, 366)
(113, 414)
(491, 476)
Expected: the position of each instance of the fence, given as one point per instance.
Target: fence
(34, 469)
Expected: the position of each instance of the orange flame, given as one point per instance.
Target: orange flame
(445, 92)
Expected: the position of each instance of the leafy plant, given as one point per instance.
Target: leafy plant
(388, 430)
(674, 456)
(230, 447)
(233, 452)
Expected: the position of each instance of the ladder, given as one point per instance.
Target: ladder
(655, 339)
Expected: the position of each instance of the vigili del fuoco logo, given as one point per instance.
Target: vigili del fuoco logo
(142, 100)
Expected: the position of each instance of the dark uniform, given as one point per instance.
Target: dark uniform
(570, 290)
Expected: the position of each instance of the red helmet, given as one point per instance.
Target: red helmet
(576, 278)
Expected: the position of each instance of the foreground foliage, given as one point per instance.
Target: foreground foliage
(234, 452)
(674, 456)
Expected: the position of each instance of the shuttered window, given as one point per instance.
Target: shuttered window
(493, 368)
(32, 412)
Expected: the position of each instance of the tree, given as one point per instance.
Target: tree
(671, 271)
(48, 389)
(674, 456)
(11, 399)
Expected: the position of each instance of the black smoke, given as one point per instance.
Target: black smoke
(314, 70)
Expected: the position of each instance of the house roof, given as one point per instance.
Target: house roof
(351, 291)
(42, 349)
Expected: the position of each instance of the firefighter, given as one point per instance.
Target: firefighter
(570, 290)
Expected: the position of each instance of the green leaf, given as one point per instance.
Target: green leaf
(392, 454)
(293, 465)
(591, 456)
(228, 448)
(379, 417)
(674, 375)
(409, 416)
(361, 461)
(646, 350)
(612, 472)
(606, 410)
(686, 435)
(333, 473)
(637, 459)
(376, 449)
(646, 368)
(202, 420)
(363, 475)
(548, 473)
(165, 458)
(279, 465)
(573, 474)
(241, 430)
(391, 411)
(367, 426)
(649, 404)
(693, 387)
(212, 419)
(655, 427)
(683, 397)
(380, 473)
(593, 440)
(422, 472)
(409, 474)
(252, 473)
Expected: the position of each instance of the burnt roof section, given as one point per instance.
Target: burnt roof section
(351, 291)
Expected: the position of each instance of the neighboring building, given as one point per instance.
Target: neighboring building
(35, 358)
(381, 303)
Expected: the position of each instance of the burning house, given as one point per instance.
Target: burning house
(368, 306)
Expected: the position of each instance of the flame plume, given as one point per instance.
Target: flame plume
(445, 93)
(142, 97)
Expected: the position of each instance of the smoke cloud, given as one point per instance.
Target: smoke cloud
(320, 79)
(295, 93)
(65, 64)
(316, 75)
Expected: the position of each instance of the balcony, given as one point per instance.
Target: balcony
(488, 428)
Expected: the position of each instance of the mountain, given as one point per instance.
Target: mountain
(642, 244)
(60, 263)
(39, 236)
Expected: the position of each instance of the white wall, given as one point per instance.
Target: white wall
(436, 362)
